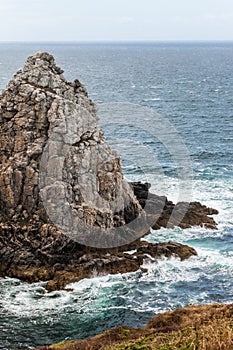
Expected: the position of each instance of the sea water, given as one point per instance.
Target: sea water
(191, 86)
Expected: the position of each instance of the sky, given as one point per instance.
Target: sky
(116, 20)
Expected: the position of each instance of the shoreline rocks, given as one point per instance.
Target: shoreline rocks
(33, 252)
(44, 254)
(62, 188)
(182, 214)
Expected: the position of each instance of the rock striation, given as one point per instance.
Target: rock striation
(62, 187)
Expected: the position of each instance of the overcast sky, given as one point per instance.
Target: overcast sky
(115, 20)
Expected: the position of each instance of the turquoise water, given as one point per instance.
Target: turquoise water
(192, 86)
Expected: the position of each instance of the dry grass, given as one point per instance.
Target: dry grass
(207, 327)
(214, 336)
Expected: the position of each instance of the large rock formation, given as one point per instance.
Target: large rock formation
(78, 172)
(62, 187)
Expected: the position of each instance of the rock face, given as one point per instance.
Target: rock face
(40, 108)
(56, 168)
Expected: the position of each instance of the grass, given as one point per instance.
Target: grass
(208, 327)
(215, 336)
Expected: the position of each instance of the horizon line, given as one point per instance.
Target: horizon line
(115, 41)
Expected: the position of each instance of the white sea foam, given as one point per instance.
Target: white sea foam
(151, 99)
(18, 298)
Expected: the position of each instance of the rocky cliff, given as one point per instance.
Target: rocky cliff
(62, 190)
(53, 151)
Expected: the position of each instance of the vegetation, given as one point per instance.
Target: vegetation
(207, 327)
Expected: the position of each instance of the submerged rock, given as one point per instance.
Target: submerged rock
(62, 190)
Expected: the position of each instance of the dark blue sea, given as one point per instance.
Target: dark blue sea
(184, 92)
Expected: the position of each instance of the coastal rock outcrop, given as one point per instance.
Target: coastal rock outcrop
(65, 208)
(34, 253)
(182, 214)
(51, 145)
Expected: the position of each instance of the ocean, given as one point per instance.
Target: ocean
(189, 87)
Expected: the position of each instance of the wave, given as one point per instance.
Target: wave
(151, 99)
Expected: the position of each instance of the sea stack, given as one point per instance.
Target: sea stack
(65, 208)
(38, 108)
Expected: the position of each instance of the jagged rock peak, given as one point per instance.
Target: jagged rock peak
(41, 114)
(42, 60)
(40, 71)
